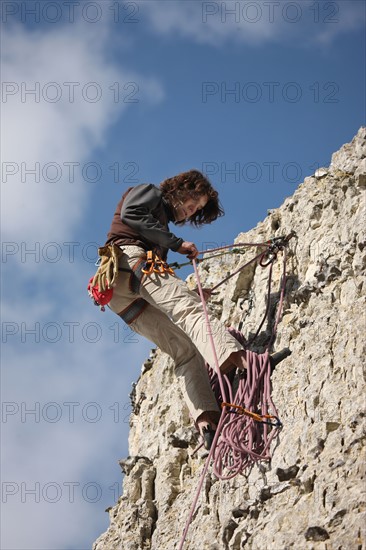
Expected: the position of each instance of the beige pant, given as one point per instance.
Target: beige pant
(174, 320)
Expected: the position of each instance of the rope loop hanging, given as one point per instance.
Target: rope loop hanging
(249, 420)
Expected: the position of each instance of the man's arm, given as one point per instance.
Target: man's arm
(136, 212)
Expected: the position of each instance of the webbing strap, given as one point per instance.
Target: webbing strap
(135, 275)
(131, 312)
(135, 308)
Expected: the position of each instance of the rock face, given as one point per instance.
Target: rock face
(310, 496)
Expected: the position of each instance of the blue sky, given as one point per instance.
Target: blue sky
(256, 94)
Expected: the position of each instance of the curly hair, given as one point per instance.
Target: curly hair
(193, 184)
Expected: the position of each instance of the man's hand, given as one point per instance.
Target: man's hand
(189, 249)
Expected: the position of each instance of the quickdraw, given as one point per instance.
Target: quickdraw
(270, 419)
(154, 264)
(177, 265)
(274, 245)
(266, 258)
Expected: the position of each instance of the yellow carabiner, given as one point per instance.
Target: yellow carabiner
(149, 264)
(158, 266)
(168, 269)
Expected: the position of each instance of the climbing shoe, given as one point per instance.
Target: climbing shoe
(276, 358)
(208, 435)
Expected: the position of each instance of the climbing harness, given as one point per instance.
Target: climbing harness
(133, 310)
(108, 264)
(249, 420)
(152, 264)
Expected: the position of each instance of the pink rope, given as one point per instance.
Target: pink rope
(209, 329)
(222, 418)
(240, 441)
(282, 296)
(202, 478)
(234, 245)
(244, 441)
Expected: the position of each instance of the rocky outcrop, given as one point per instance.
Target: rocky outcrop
(310, 496)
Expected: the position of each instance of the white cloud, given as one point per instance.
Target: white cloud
(255, 22)
(41, 134)
(75, 383)
(44, 292)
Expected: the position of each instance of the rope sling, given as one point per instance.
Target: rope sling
(249, 420)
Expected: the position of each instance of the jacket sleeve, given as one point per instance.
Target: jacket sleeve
(137, 210)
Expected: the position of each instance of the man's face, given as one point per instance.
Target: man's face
(186, 208)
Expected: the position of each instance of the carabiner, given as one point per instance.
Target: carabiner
(149, 264)
(271, 255)
(255, 416)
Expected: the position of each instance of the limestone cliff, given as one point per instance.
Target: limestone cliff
(311, 494)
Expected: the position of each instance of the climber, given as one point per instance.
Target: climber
(152, 300)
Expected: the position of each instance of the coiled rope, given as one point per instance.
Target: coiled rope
(249, 421)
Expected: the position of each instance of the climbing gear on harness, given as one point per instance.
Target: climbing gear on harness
(101, 299)
(136, 274)
(100, 287)
(154, 264)
(107, 273)
(149, 264)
